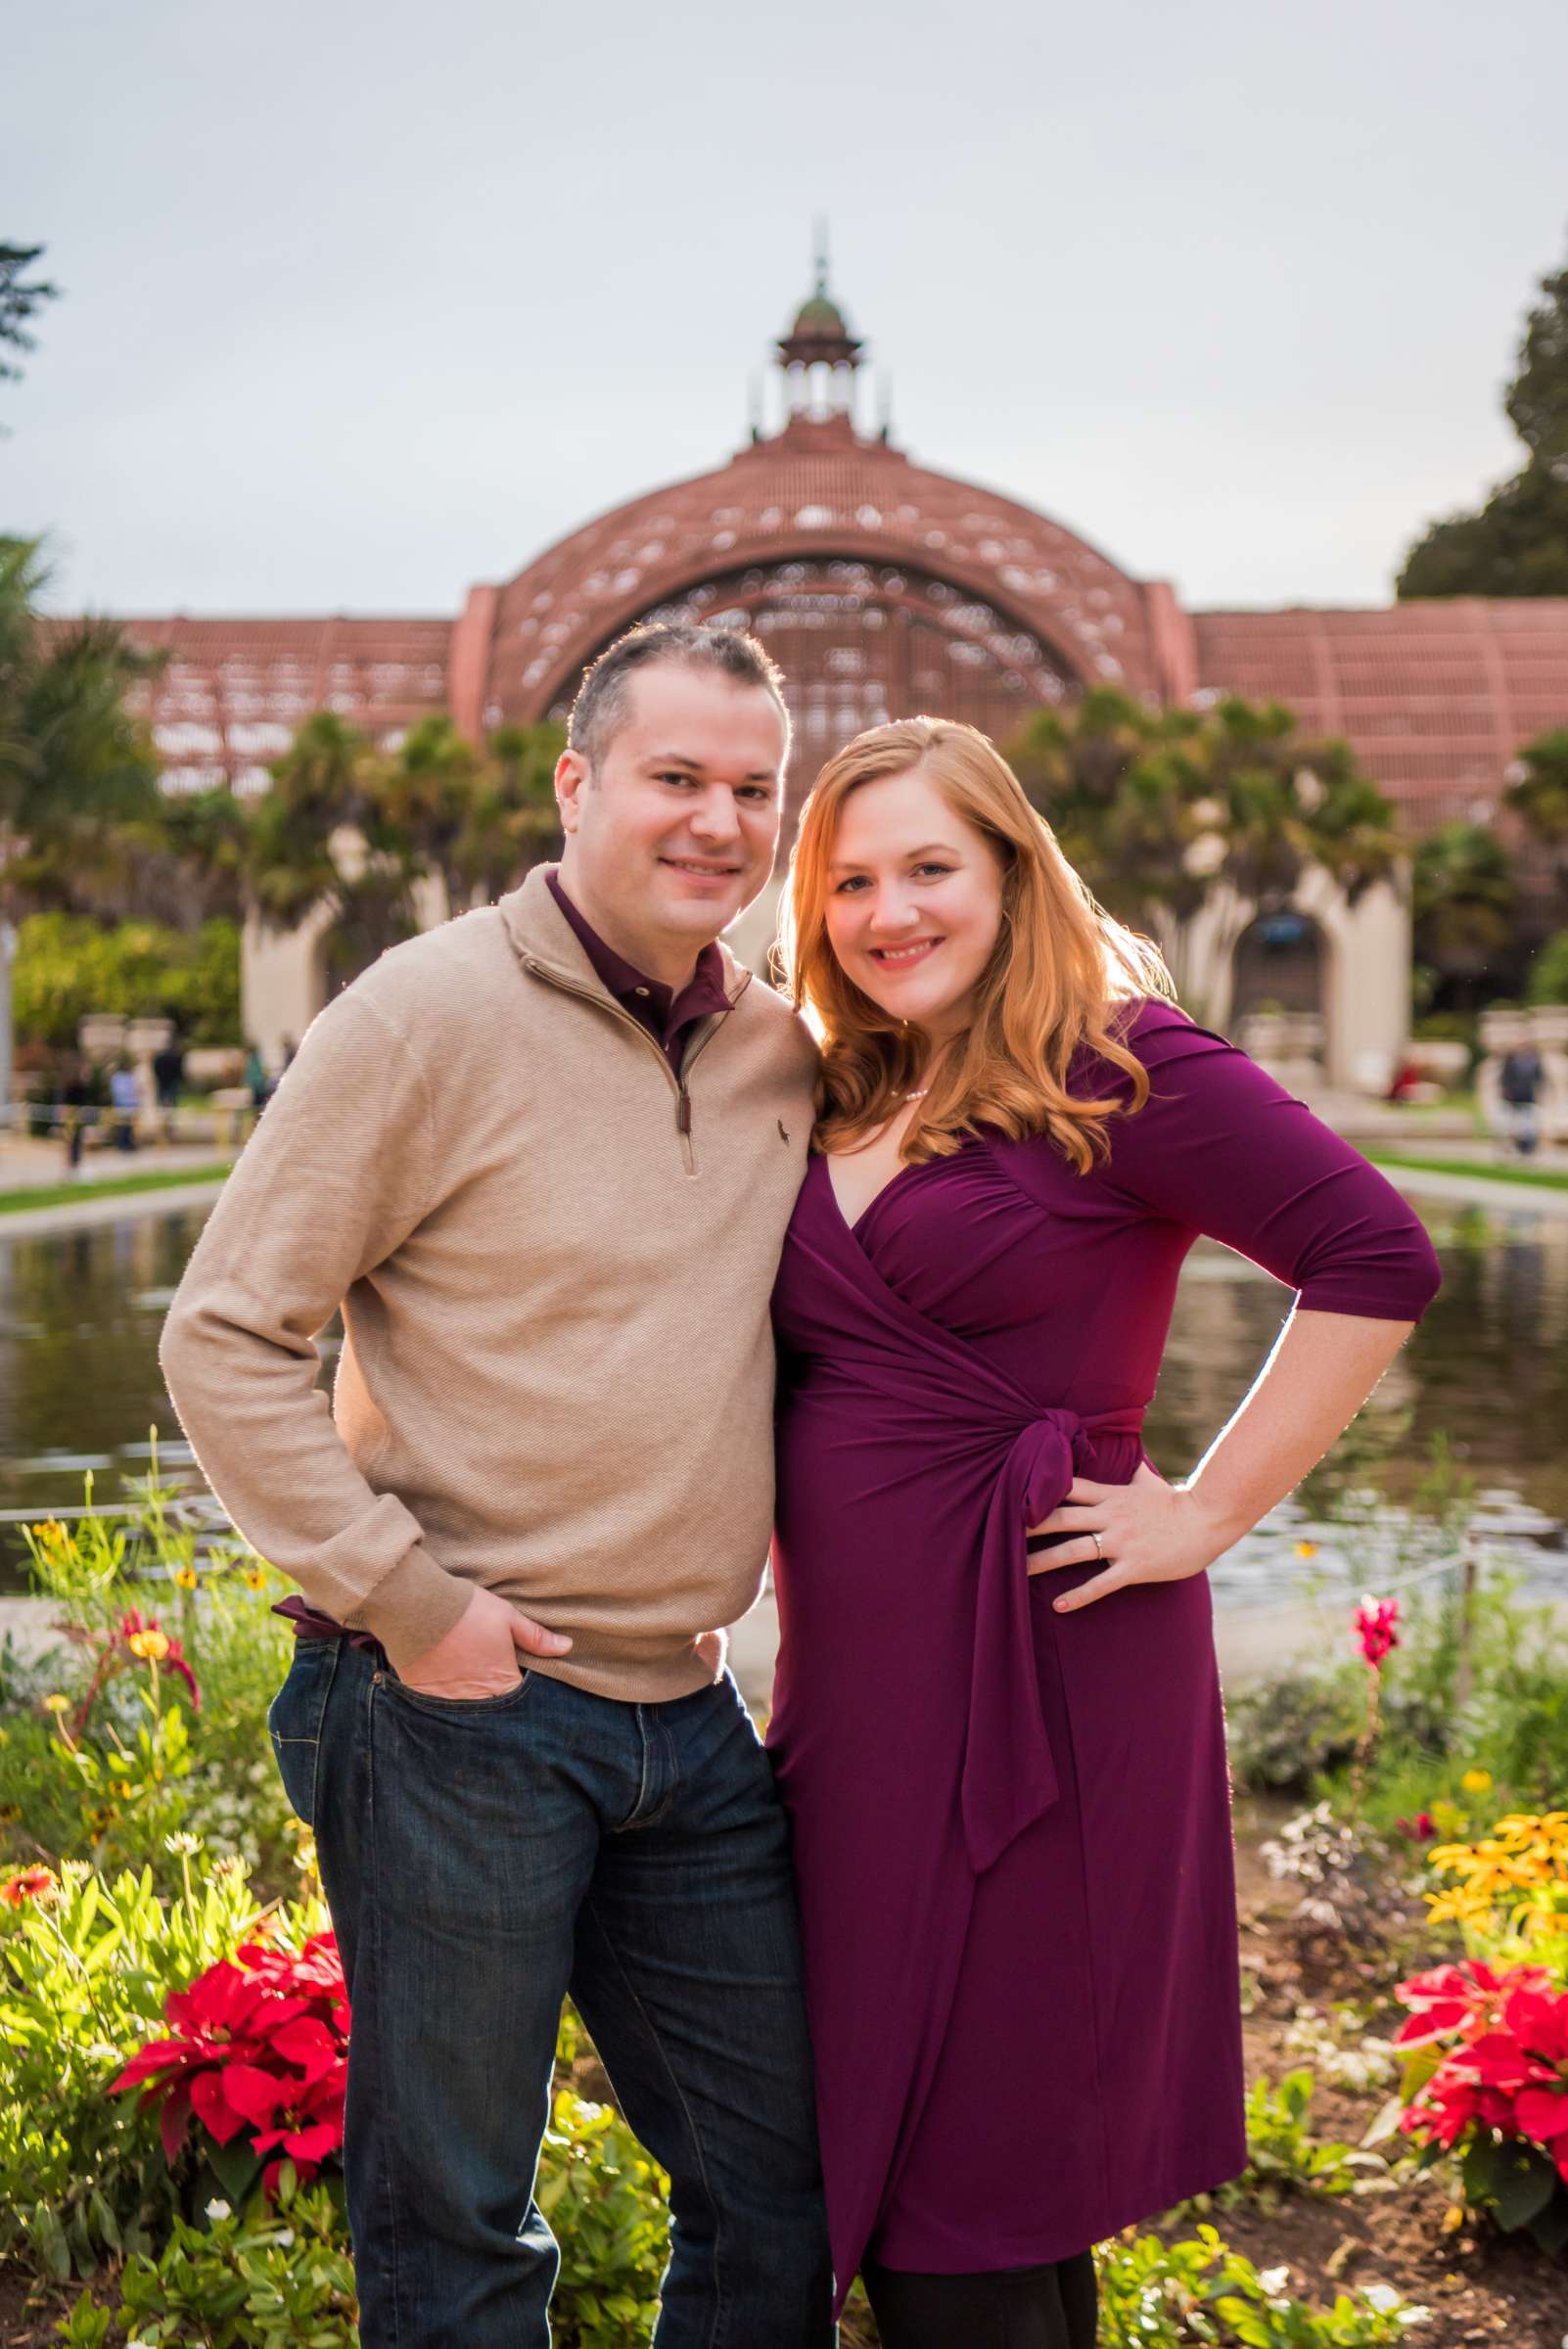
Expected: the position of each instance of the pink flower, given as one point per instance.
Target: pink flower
(1374, 1623)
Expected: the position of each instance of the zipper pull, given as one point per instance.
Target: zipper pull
(684, 1111)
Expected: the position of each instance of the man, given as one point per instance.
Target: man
(1519, 1083)
(546, 1156)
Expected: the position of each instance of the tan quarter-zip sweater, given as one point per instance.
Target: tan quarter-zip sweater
(554, 1260)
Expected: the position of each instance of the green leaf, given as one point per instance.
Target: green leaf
(1386, 2123)
(1523, 2183)
(1550, 2228)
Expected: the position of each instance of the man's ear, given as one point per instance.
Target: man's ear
(571, 779)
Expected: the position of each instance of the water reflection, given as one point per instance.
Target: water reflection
(79, 1384)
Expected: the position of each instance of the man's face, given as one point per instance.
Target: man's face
(673, 833)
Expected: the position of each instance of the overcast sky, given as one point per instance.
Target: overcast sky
(362, 305)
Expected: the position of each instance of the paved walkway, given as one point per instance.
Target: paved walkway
(1532, 1198)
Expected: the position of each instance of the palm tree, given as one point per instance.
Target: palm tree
(329, 835)
(77, 771)
(1537, 794)
(1465, 900)
(1172, 814)
(513, 821)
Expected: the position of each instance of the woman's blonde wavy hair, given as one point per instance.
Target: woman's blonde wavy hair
(1061, 972)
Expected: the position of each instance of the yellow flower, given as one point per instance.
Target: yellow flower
(1306, 1550)
(56, 1703)
(185, 1576)
(256, 1578)
(1459, 1902)
(149, 1646)
(1477, 1781)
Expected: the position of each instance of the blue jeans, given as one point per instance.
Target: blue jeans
(481, 1859)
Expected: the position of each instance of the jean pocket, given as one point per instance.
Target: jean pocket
(294, 1716)
(456, 1706)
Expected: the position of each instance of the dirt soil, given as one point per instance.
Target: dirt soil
(1481, 2288)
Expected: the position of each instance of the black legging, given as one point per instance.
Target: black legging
(1010, 2308)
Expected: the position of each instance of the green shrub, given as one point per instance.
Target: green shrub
(1297, 1732)
(105, 1755)
(68, 966)
(1546, 980)
(85, 1969)
(1171, 2295)
(1285, 1733)
(270, 2277)
(1283, 2154)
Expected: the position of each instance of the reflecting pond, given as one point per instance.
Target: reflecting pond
(79, 1385)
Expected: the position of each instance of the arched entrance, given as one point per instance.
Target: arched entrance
(1281, 965)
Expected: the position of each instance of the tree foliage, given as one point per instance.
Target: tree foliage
(1517, 542)
(1167, 812)
(1537, 794)
(1466, 899)
(20, 301)
(69, 965)
(76, 768)
(1548, 979)
(354, 831)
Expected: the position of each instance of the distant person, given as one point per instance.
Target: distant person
(125, 1101)
(256, 1078)
(76, 1110)
(168, 1080)
(1519, 1081)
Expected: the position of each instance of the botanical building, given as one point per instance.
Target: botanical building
(882, 588)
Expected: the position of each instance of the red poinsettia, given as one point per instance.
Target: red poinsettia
(1376, 1621)
(259, 2046)
(1509, 2068)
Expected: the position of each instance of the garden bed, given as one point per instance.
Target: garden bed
(1402, 1851)
(1480, 2286)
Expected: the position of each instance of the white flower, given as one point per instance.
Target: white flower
(1274, 2280)
(218, 2209)
(284, 2238)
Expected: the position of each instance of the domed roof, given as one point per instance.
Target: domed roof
(817, 491)
(819, 314)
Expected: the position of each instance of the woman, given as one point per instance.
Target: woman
(997, 1722)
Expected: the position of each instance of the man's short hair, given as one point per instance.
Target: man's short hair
(600, 709)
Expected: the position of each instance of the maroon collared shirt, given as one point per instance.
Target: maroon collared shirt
(668, 1017)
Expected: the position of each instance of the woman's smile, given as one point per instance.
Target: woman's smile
(898, 958)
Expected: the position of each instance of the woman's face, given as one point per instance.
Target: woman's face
(914, 901)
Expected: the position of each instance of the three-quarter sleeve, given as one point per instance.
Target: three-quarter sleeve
(1224, 1149)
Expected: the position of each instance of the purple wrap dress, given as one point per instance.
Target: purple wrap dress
(1012, 1827)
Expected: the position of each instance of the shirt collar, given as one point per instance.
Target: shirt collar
(704, 992)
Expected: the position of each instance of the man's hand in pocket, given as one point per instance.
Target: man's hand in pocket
(480, 1655)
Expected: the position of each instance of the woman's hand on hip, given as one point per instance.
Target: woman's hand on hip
(1144, 1532)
